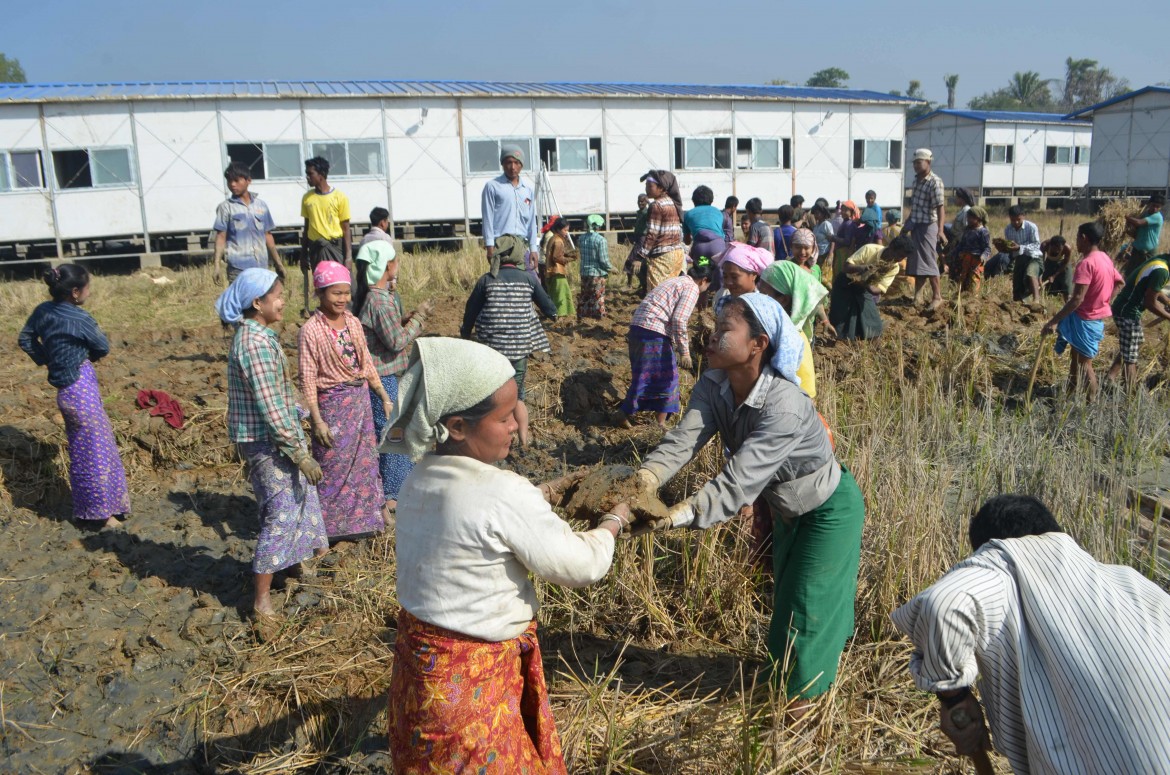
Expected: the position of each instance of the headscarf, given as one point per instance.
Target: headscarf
(979, 212)
(250, 285)
(445, 376)
(804, 236)
(595, 221)
(514, 151)
(669, 184)
(377, 254)
(331, 273)
(787, 344)
(848, 205)
(747, 257)
(790, 279)
(964, 195)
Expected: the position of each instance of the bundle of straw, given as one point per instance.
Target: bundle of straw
(874, 271)
(1112, 218)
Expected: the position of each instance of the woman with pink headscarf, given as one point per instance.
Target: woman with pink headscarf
(740, 267)
(335, 368)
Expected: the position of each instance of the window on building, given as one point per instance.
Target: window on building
(268, 161)
(877, 154)
(763, 154)
(571, 154)
(702, 153)
(93, 168)
(999, 154)
(1058, 154)
(1082, 154)
(350, 158)
(21, 169)
(483, 155)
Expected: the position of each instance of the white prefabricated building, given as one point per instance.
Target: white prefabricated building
(145, 161)
(1131, 143)
(1005, 155)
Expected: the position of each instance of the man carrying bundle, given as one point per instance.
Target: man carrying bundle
(1070, 654)
(1147, 228)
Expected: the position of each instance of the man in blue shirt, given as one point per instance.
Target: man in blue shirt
(508, 207)
(1148, 228)
(243, 228)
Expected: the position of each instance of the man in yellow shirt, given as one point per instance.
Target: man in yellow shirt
(868, 274)
(326, 213)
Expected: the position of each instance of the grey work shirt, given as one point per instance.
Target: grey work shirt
(779, 449)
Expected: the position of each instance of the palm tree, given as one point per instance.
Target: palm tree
(1077, 74)
(951, 82)
(1030, 90)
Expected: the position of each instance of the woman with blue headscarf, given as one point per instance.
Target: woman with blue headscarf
(780, 461)
(264, 423)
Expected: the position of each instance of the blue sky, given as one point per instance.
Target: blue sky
(602, 40)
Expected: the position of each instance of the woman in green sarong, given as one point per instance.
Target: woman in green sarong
(781, 463)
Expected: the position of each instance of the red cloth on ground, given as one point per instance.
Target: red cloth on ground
(161, 405)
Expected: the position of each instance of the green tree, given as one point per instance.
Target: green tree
(1086, 83)
(1026, 91)
(10, 70)
(951, 81)
(832, 77)
(914, 91)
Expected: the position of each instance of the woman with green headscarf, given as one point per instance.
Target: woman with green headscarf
(800, 295)
(595, 268)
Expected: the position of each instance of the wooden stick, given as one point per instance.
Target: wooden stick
(1035, 370)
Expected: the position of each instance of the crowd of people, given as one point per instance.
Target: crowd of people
(409, 431)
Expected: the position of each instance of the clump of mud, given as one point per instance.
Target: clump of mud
(608, 486)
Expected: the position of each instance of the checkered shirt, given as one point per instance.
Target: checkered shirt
(261, 403)
(927, 197)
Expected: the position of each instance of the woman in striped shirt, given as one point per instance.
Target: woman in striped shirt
(662, 246)
(335, 368)
(61, 335)
(264, 423)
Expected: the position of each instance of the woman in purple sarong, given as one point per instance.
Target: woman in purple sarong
(335, 369)
(264, 424)
(658, 328)
(61, 335)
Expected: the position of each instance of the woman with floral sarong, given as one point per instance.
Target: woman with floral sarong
(265, 425)
(61, 335)
(468, 692)
(335, 368)
(389, 335)
(657, 330)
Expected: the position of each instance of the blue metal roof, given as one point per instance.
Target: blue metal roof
(1120, 98)
(1005, 116)
(184, 90)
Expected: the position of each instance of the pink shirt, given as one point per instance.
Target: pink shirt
(1096, 270)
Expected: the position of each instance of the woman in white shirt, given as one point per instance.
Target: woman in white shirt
(468, 689)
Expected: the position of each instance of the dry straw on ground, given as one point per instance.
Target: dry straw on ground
(1112, 218)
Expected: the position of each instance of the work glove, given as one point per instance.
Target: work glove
(648, 483)
(963, 724)
(311, 469)
(680, 514)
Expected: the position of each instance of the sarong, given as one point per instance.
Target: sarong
(96, 476)
(350, 490)
(458, 704)
(291, 525)
(591, 299)
(708, 243)
(923, 260)
(840, 255)
(392, 468)
(557, 286)
(853, 310)
(324, 250)
(814, 561)
(653, 373)
(1084, 335)
(662, 267)
(968, 272)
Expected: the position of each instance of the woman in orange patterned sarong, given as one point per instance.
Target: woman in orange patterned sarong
(468, 692)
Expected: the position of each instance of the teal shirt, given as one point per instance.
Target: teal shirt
(1147, 237)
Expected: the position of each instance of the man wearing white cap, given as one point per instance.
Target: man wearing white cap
(508, 207)
(927, 214)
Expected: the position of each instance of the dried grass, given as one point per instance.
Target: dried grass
(1112, 217)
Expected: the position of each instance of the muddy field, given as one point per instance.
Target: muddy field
(111, 640)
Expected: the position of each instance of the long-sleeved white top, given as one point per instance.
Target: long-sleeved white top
(467, 536)
(1071, 655)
